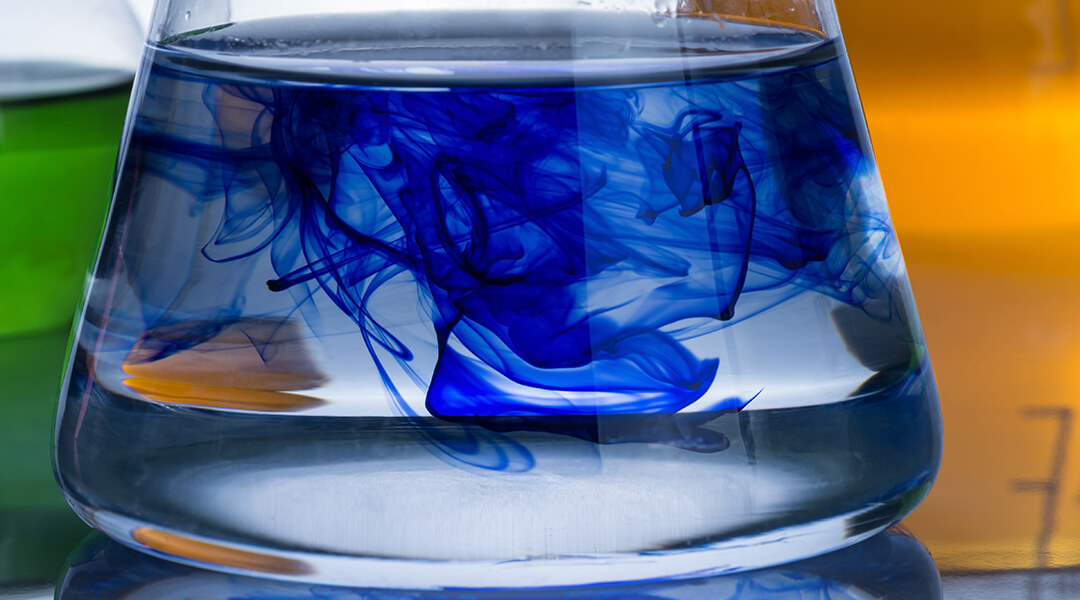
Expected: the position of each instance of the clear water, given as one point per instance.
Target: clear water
(554, 306)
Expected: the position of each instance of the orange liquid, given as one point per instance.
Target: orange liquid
(974, 111)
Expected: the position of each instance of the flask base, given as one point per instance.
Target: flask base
(709, 558)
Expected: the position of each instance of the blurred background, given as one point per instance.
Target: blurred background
(974, 112)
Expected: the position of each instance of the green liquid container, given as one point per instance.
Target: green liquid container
(58, 149)
(65, 77)
(57, 155)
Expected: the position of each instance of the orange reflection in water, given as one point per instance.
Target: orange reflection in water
(250, 365)
(216, 554)
(974, 111)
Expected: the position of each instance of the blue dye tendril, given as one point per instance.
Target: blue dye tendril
(564, 243)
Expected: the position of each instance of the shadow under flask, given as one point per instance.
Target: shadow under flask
(461, 295)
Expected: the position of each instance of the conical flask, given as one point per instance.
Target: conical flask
(461, 295)
(65, 77)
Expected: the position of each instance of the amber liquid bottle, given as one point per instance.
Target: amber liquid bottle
(974, 111)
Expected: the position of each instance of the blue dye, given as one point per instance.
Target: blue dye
(563, 243)
(559, 281)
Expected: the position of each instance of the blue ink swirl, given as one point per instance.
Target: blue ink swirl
(565, 244)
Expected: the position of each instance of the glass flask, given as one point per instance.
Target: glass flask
(889, 565)
(461, 295)
(66, 68)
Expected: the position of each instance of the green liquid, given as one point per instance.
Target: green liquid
(57, 157)
(37, 530)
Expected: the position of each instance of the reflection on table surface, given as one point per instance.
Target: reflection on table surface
(890, 565)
